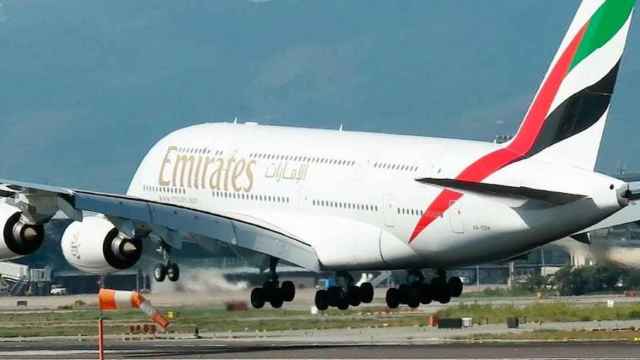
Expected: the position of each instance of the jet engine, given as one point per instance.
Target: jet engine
(17, 238)
(96, 246)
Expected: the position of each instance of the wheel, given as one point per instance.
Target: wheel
(413, 297)
(445, 299)
(277, 302)
(322, 300)
(440, 290)
(353, 295)
(392, 298)
(288, 290)
(403, 292)
(455, 286)
(343, 304)
(334, 295)
(257, 298)
(425, 294)
(366, 293)
(275, 298)
(159, 272)
(173, 272)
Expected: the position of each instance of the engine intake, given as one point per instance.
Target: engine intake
(17, 237)
(96, 246)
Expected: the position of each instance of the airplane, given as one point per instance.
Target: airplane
(340, 201)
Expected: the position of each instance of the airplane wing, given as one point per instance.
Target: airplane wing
(234, 229)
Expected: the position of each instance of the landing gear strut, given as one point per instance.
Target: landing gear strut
(167, 268)
(345, 294)
(272, 291)
(417, 291)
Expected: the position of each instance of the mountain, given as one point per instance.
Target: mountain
(87, 87)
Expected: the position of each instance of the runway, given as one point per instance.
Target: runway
(212, 350)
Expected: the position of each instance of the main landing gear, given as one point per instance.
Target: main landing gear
(166, 269)
(272, 291)
(417, 291)
(345, 294)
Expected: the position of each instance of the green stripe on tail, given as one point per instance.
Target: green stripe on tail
(604, 24)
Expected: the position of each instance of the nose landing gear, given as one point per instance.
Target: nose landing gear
(167, 269)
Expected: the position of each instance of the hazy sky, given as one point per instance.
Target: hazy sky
(87, 87)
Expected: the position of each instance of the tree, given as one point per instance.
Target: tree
(589, 279)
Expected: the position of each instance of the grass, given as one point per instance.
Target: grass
(545, 312)
(83, 321)
(558, 335)
(499, 292)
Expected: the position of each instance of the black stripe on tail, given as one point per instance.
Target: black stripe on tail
(578, 113)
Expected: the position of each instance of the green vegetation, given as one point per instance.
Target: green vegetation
(82, 321)
(558, 335)
(556, 312)
(569, 281)
(499, 292)
(594, 279)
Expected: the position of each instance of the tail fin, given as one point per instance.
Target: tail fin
(566, 120)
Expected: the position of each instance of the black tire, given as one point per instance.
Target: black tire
(276, 298)
(159, 272)
(413, 297)
(343, 304)
(403, 293)
(334, 295)
(445, 299)
(353, 296)
(288, 291)
(455, 286)
(322, 300)
(425, 294)
(257, 298)
(366, 293)
(173, 272)
(440, 290)
(392, 298)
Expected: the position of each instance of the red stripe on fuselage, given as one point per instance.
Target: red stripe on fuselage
(517, 148)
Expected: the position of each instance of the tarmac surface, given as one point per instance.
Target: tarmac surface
(205, 349)
(304, 299)
(373, 343)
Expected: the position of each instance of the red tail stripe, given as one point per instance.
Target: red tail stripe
(519, 146)
(534, 120)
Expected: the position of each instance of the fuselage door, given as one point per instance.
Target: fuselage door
(455, 215)
(389, 211)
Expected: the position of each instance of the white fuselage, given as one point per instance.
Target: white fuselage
(354, 196)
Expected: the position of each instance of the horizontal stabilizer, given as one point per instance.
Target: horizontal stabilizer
(633, 191)
(583, 238)
(553, 197)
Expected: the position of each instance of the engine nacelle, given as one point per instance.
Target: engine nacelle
(96, 246)
(17, 238)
